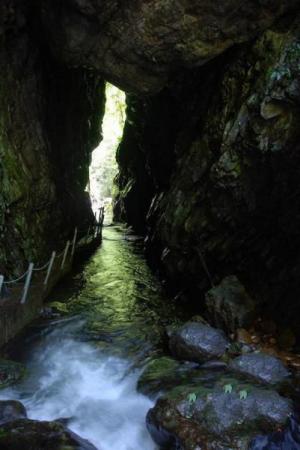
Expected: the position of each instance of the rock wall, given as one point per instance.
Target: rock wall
(214, 161)
(138, 44)
(208, 164)
(50, 120)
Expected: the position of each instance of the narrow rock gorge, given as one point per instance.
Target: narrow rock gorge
(208, 162)
(207, 190)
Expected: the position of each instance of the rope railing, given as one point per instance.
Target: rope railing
(69, 250)
(60, 254)
(16, 280)
(44, 267)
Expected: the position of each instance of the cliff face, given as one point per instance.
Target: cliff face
(214, 160)
(50, 120)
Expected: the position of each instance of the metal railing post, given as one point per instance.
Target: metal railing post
(27, 283)
(74, 241)
(1, 284)
(50, 268)
(102, 216)
(65, 254)
(88, 233)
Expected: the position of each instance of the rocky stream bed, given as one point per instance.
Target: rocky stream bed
(114, 365)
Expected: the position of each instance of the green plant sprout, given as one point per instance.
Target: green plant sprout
(228, 388)
(192, 398)
(243, 394)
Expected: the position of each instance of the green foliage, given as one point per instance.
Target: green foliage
(104, 167)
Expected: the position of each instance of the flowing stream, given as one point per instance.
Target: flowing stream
(84, 367)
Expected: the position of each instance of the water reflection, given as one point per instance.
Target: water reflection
(85, 368)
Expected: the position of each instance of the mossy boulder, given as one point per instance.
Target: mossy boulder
(226, 416)
(10, 372)
(157, 374)
(164, 374)
(34, 435)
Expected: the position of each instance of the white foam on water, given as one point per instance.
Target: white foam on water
(71, 379)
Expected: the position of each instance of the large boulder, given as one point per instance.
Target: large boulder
(229, 306)
(198, 342)
(11, 410)
(213, 418)
(25, 434)
(260, 367)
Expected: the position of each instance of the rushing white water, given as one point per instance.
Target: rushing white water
(97, 392)
(83, 368)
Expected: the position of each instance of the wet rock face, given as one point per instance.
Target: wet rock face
(145, 156)
(49, 123)
(197, 342)
(138, 44)
(228, 204)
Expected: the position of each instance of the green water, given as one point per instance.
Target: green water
(84, 366)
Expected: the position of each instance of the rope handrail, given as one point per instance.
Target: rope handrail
(92, 230)
(17, 279)
(39, 269)
(59, 255)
